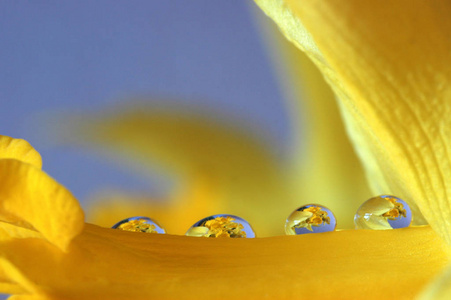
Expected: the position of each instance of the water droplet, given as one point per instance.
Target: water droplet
(139, 224)
(311, 218)
(222, 226)
(383, 212)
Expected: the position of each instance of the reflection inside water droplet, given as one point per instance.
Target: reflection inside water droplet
(311, 218)
(139, 224)
(383, 212)
(221, 226)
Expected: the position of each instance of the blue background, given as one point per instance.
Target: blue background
(86, 55)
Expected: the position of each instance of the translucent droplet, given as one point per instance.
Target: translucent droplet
(383, 212)
(139, 224)
(222, 226)
(311, 218)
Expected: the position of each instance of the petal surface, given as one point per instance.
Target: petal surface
(106, 263)
(30, 198)
(388, 64)
(20, 150)
(439, 289)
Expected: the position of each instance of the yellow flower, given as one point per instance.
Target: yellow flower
(395, 107)
(47, 252)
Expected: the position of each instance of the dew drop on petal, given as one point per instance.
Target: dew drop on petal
(218, 226)
(382, 213)
(311, 218)
(139, 224)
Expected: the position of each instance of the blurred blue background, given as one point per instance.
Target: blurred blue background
(86, 55)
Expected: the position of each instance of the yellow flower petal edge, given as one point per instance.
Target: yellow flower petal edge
(388, 64)
(323, 158)
(30, 198)
(105, 263)
(19, 149)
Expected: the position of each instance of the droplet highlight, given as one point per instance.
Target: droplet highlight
(139, 224)
(382, 213)
(221, 226)
(311, 218)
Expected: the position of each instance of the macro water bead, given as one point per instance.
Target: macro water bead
(139, 224)
(383, 212)
(221, 226)
(311, 218)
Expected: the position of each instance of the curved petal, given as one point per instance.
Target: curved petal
(28, 195)
(388, 64)
(20, 150)
(243, 173)
(106, 263)
(326, 167)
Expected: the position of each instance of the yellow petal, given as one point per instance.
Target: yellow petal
(439, 289)
(243, 174)
(20, 150)
(27, 297)
(326, 167)
(11, 288)
(388, 64)
(16, 277)
(31, 199)
(11, 231)
(111, 264)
